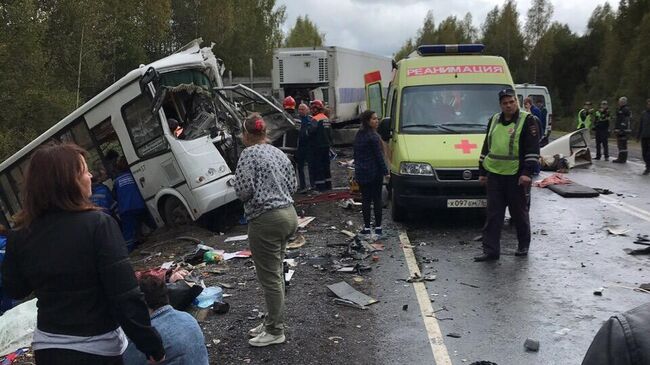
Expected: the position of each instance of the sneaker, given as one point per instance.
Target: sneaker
(597, 158)
(378, 232)
(265, 339)
(254, 332)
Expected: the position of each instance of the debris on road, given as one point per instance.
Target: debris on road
(304, 221)
(17, 326)
(220, 307)
(297, 243)
(416, 278)
(641, 251)
(405, 307)
(470, 285)
(555, 179)
(349, 303)
(567, 152)
(599, 292)
(454, 335)
(344, 291)
(642, 240)
(243, 237)
(617, 231)
(335, 339)
(563, 331)
(531, 345)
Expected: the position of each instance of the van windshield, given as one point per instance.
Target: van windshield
(445, 109)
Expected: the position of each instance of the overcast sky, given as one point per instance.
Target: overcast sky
(382, 26)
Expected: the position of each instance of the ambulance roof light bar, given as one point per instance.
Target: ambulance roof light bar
(442, 49)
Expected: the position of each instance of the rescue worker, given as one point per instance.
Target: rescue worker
(621, 129)
(321, 137)
(584, 116)
(644, 136)
(304, 152)
(601, 127)
(289, 105)
(508, 158)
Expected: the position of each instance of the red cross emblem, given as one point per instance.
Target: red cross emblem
(465, 146)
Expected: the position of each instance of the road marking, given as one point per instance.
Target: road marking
(440, 353)
(627, 208)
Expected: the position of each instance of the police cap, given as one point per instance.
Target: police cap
(506, 92)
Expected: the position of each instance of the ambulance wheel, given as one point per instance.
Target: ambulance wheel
(396, 211)
(175, 213)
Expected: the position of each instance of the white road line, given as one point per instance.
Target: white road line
(440, 353)
(627, 208)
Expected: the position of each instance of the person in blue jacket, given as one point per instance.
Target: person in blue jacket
(102, 195)
(130, 204)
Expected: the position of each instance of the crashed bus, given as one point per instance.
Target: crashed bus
(176, 124)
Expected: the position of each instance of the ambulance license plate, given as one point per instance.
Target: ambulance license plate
(466, 203)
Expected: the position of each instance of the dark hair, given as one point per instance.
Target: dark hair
(154, 290)
(52, 182)
(528, 100)
(365, 119)
(3, 230)
(121, 164)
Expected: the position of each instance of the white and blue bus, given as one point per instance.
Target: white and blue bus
(177, 126)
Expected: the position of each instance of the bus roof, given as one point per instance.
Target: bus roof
(191, 55)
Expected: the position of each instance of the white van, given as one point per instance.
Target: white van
(539, 94)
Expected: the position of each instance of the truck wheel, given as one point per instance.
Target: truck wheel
(397, 212)
(175, 213)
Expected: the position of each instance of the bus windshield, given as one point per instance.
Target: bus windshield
(445, 109)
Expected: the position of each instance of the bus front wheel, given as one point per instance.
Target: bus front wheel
(175, 213)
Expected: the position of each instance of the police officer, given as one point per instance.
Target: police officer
(643, 136)
(622, 128)
(321, 137)
(584, 116)
(508, 158)
(601, 127)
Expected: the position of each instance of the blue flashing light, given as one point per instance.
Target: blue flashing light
(440, 49)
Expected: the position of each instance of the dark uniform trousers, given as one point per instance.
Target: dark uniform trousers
(601, 141)
(322, 171)
(504, 191)
(621, 143)
(645, 150)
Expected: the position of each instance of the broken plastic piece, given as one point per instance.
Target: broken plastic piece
(343, 290)
(599, 292)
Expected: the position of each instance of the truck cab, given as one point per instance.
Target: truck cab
(437, 109)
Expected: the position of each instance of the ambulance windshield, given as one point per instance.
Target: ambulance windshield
(443, 109)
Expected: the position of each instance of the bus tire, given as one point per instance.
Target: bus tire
(175, 214)
(397, 211)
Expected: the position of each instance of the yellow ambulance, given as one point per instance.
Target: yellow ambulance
(435, 118)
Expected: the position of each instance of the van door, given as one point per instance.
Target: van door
(374, 97)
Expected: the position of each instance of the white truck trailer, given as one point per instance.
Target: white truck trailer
(332, 74)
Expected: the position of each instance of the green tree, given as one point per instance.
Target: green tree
(502, 36)
(537, 22)
(304, 34)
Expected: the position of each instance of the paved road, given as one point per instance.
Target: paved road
(548, 296)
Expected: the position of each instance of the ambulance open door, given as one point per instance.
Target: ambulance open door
(374, 97)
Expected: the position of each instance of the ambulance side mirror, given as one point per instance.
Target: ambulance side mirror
(385, 129)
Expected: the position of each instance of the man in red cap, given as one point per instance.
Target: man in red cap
(320, 133)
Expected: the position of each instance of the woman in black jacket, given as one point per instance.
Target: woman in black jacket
(73, 258)
(369, 169)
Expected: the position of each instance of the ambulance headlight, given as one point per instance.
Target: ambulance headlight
(415, 168)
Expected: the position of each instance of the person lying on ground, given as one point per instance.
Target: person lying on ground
(181, 335)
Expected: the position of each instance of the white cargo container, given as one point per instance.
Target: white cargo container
(332, 74)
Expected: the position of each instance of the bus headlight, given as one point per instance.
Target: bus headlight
(415, 168)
